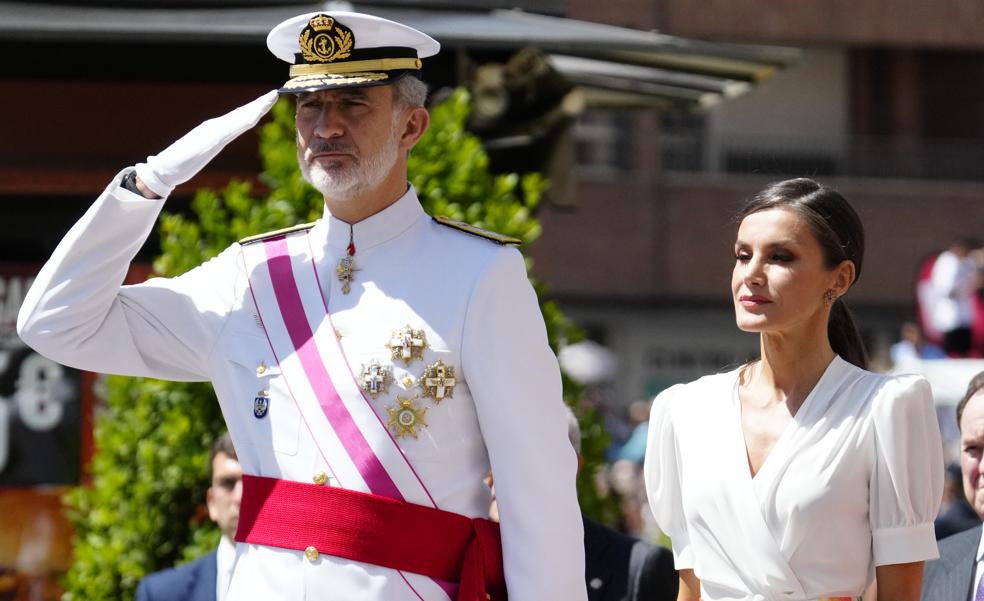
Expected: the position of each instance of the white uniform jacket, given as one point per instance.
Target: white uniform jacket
(479, 314)
(853, 482)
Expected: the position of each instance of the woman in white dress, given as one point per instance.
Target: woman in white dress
(799, 476)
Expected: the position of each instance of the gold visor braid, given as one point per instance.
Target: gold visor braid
(382, 64)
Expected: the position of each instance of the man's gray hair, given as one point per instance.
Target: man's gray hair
(409, 91)
(573, 429)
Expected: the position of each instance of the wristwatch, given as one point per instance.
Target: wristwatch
(130, 183)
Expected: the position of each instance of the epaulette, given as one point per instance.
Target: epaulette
(477, 231)
(281, 232)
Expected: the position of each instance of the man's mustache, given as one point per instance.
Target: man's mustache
(320, 147)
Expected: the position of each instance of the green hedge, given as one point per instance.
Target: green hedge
(144, 509)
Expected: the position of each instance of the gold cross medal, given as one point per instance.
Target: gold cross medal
(375, 378)
(406, 418)
(407, 344)
(345, 270)
(438, 381)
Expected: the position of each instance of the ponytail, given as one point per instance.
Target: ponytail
(844, 336)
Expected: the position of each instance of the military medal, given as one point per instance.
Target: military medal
(375, 378)
(261, 403)
(407, 417)
(407, 344)
(345, 270)
(438, 381)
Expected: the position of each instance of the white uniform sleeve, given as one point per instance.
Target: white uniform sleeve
(78, 314)
(663, 478)
(515, 382)
(907, 481)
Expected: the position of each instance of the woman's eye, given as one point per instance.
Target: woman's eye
(743, 257)
(782, 257)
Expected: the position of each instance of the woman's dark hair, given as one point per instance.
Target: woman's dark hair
(838, 229)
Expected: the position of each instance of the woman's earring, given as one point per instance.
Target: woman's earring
(829, 296)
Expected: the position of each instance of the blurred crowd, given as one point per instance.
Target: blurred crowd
(950, 302)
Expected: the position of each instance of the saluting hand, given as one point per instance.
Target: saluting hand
(180, 161)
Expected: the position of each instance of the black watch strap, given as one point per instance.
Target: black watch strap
(130, 182)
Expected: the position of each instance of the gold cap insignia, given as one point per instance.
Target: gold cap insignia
(325, 40)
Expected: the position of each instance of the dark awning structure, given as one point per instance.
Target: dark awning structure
(611, 65)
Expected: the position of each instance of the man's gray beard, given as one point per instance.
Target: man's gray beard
(346, 183)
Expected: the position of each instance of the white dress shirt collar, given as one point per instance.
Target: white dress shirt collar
(980, 549)
(225, 560)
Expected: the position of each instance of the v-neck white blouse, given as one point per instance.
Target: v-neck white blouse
(854, 481)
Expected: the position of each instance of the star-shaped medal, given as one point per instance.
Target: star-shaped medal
(438, 381)
(407, 344)
(407, 417)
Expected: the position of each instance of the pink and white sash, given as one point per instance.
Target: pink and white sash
(357, 446)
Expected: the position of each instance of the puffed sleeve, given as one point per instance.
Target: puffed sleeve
(663, 477)
(907, 480)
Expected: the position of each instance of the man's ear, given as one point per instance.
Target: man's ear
(210, 503)
(416, 124)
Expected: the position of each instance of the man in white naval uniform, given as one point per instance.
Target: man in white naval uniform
(371, 367)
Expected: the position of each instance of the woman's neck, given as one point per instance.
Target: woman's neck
(791, 364)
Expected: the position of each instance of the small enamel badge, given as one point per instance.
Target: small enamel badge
(375, 378)
(438, 381)
(407, 344)
(261, 403)
(407, 417)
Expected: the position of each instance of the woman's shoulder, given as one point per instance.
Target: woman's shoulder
(885, 389)
(696, 395)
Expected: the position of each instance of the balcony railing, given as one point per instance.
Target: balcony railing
(691, 149)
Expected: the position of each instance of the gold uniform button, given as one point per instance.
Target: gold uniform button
(261, 369)
(320, 478)
(312, 554)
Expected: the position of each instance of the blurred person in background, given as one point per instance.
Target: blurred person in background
(617, 567)
(913, 346)
(798, 475)
(958, 575)
(625, 472)
(953, 286)
(634, 448)
(207, 578)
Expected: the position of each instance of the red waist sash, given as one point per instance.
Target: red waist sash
(374, 529)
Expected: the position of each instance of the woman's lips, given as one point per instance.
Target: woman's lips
(753, 301)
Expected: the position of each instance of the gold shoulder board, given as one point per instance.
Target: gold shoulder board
(477, 231)
(286, 230)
